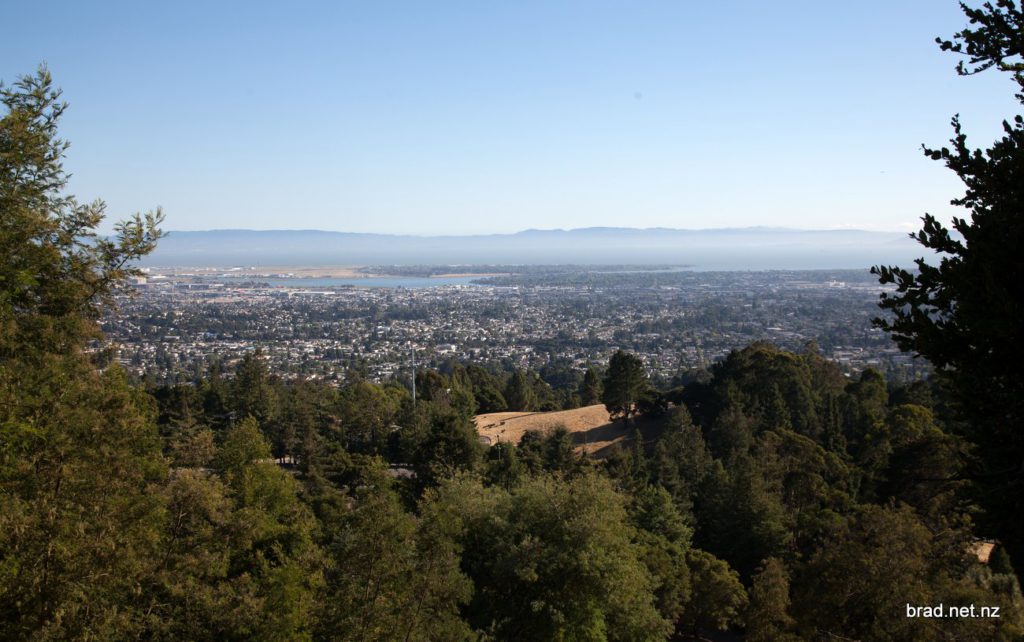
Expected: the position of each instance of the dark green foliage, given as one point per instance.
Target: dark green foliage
(963, 311)
(193, 447)
(590, 389)
(214, 392)
(460, 392)
(866, 432)
(502, 466)
(680, 460)
(812, 484)
(739, 518)
(624, 384)
(243, 445)
(664, 539)
(627, 463)
(924, 467)
(718, 596)
(272, 548)
(550, 451)
(78, 522)
(858, 583)
(652, 403)
(431, 386)
(368, 413)
(773, 387)
(732, 432)
(303, 408)
(446, 445)
(551, 560)
(391, 575)
(238, 558)
(79, 452)
(190, 591)
(766, 616)
(250, 392)
(486, 390)
(520, 394)
(547, 399)
(57, 275)
(1000, 562)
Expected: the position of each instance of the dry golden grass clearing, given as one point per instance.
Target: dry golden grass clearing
(591, 427)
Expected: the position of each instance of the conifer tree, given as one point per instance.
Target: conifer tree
(590, 389)
(519, 394)
(78, 447)
(624, 382)
(965, 313)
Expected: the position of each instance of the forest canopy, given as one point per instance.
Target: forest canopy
(770, 497)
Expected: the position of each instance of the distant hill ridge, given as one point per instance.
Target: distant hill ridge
(716, 248)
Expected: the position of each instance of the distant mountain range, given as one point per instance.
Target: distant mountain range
(753, 248)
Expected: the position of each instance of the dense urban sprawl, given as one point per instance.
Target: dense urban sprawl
(177, 323)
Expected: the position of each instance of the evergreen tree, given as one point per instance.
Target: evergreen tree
(251, 394)
(519, 394)
(367, 413)
(392, 577)
(681, 460)
(624, 383)
(446, 445)
(965, 314)
(79, 452)
(274, 565)
(767, 618)
(486, 390)
(739, 519)
(590, 389)
(663, 537)
(502, 466)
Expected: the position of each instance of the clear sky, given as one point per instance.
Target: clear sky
(469, 117)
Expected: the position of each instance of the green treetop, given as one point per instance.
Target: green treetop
(624, 383)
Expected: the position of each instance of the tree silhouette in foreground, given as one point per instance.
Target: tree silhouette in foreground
(966, 314)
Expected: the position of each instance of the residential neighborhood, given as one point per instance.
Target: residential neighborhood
(175, 323)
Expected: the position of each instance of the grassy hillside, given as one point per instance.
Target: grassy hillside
(591, 428)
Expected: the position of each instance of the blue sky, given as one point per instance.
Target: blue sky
(474, 117)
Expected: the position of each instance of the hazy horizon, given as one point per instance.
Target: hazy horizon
(752, 248)
(768, 228)
(460, 118)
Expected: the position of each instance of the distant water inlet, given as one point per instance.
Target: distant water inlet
(368, 282)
